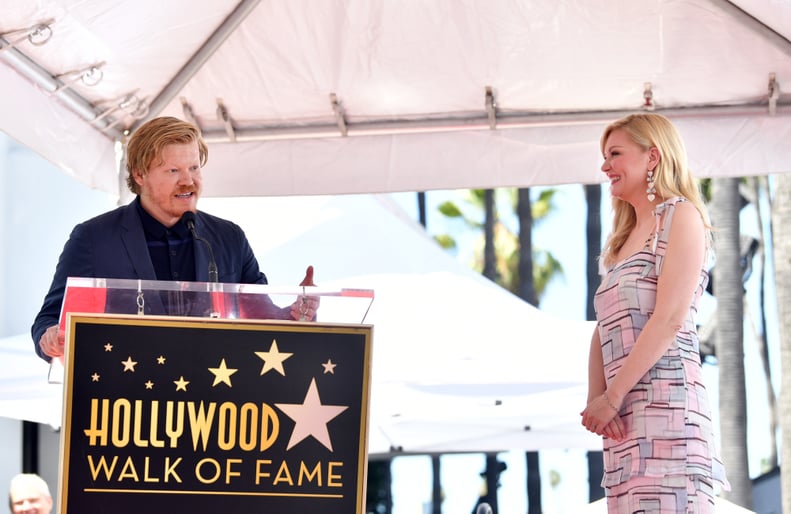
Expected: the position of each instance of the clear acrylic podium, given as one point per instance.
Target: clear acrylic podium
(204, 300)
(204, 397)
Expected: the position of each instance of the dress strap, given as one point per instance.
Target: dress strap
(664, 221)
(657, 221)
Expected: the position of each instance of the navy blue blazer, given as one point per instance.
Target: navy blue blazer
(113, 245)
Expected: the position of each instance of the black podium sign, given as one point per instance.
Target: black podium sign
(207, 416)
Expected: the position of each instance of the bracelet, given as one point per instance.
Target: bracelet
(607, 399)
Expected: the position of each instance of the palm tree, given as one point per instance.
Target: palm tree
(527, 291)
(781, 210)
(593, 245)
(728, 290)
(506, 243)
(593, 249)
(759, 190)
(525, 267)
(489, 223)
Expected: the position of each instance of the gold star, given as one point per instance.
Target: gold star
(108, 347)
(129, 365)
(160, 360)
(273, 359)
(311, 417)
(181, 384)
(329, 367)
(222, 374)
(95, 377)
(149, 385)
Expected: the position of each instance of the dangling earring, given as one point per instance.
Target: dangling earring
(651, 190)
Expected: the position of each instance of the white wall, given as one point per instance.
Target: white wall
(11, 463)
(39, 205)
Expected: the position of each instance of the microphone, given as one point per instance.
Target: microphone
(483, 508)
(189, 219)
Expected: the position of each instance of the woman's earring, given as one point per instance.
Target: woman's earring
(651, 190)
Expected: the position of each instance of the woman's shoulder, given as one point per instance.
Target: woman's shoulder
(678, 206)
(683, 220)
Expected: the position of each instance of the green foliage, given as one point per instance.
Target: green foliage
(506, 241)
(545, 268)
(544, 205)
(554, 478)
(476, 197)
(450, 209)
(446, 241)
(705, 189)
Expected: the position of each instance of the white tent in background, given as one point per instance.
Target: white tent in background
(459, 364)
(25, 392)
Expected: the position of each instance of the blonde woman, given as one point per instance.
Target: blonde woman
(645, 391)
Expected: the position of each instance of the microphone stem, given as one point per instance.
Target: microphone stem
(213, 275)
(212, 263)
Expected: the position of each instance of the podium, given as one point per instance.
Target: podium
(199, 397)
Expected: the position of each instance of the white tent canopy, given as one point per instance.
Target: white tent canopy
(347, 96)
(24, 389)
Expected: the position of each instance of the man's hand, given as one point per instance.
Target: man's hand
(52, 342)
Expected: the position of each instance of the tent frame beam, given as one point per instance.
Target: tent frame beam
(751, 22)
(476, 122)
(194, 64)
(54, 86)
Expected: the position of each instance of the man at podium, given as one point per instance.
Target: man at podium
(160, 235)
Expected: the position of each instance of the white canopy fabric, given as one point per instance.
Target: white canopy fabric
(459, 364)
(347, 96)
(25, 392)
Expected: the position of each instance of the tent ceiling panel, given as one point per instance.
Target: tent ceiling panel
(135, 47)
(395, 60)
(411, 77)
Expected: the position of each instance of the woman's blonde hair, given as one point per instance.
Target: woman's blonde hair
(148, 141)
(671, 175)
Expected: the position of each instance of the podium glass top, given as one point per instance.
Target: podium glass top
(210, 299)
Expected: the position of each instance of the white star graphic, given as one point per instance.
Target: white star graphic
(129, 365)
(311, 417)
(181, 384)
(273, 359)
(329, 367)
(222, 374)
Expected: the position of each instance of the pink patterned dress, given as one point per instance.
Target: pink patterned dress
(668, 461)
